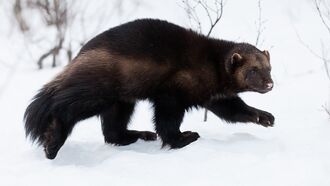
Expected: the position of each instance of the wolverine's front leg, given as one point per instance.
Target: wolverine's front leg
(234, 109)
(168, 116)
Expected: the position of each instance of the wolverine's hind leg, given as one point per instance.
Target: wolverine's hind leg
(114, 125)
(169, 113)
(54, 138)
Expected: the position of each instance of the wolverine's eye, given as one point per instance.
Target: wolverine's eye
(253, 71)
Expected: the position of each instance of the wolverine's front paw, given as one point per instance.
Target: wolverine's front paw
(265, 119)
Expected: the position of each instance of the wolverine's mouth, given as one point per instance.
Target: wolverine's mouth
(262, 91)
(268, 87)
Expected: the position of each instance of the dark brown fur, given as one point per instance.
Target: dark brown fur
(172, 67)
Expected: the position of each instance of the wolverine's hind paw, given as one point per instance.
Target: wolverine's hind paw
(148, 136)
(183, 139)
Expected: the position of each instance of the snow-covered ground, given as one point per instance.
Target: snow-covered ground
(295, 151)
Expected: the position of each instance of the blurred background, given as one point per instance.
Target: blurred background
(39, 37)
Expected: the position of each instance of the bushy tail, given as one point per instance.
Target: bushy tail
(38, 115)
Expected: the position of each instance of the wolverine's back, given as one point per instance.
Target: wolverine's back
(143, 38)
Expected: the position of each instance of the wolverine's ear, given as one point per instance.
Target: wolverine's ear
(236, 57)
(267, 54)
(234, 62)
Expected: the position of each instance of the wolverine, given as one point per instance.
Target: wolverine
(174, 68)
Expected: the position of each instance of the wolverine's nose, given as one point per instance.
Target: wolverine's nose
(269, 85)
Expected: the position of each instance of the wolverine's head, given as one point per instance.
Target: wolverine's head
(250, 68)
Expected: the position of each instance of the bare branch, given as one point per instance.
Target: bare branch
(321, 15)
(260, 24)
(19, 17)
(219, 13)
(192, 14)
(206, 8)
(327, 110)
(52, 52)
(214, 15)
(59, 15)
(55, 15)
(325, 60)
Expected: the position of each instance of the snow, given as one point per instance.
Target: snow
(295, 151)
